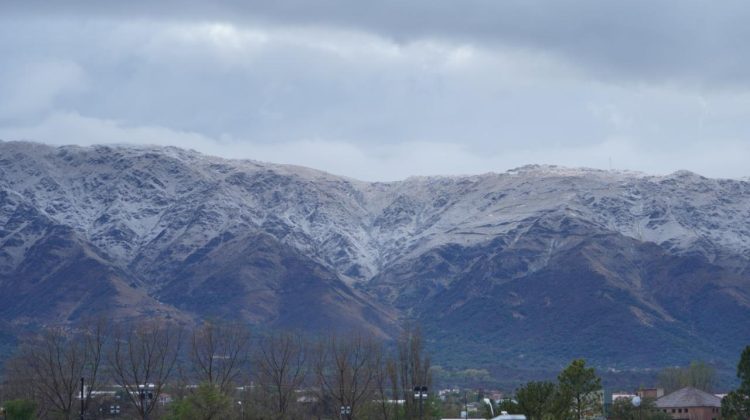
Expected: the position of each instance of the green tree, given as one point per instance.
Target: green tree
(560, 406)
(535, 399)
(20, 410)
(510, 406)
(433, 408)
(581, 385)
(206, 403)
(736, 405)
(697, 375)
(743, 371)
(623, 409)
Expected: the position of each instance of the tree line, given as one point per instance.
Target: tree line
(157, 369)
(160, 370)
(578, 394)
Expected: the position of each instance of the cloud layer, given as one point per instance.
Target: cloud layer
(384, 90)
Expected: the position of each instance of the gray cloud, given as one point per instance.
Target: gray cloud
(694, 41)
(382, 90)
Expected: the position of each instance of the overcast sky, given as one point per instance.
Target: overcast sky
(380, 90)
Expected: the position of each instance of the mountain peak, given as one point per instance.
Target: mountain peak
(544, 170)
(685, 174)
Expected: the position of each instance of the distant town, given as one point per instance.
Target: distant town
(160, 370)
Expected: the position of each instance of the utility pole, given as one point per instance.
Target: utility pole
(82, 401)
(146, 395)
(420, 393)
(346, 410)
(636, 401)
(466, 405)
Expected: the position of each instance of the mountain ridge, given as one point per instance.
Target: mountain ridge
(194, 236)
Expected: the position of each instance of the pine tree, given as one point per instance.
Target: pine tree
(581, 385)
(736, 405)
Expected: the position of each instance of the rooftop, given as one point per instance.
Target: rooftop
(688, 397)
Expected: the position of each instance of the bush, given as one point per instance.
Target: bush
(20, 410)
(207, 402)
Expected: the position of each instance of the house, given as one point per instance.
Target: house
(691, 404)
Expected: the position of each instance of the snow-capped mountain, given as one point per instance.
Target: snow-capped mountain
(532, 249)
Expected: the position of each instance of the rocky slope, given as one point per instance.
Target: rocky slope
(539, 263)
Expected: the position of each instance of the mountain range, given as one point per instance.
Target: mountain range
(524, 269)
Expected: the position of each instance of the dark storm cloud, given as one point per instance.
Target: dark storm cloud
(702, 42)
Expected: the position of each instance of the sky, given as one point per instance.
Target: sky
(384, 90)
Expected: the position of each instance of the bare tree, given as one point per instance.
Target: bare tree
(49, 368)
(385, 379)
(393, 378)
(280, 363)
(219, 353)
(413, 367)
(143, 355)
(347, 371)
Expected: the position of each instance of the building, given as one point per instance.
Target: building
(691, 404)
(651, 393)
(597, 411)
(622, 395)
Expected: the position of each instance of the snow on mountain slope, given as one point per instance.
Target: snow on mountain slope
(683, 212)
(132, 202)
(559, 262)
(135, 202)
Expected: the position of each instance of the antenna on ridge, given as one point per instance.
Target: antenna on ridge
(610, 163)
